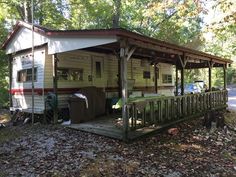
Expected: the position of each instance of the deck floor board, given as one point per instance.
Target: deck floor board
(106, 126)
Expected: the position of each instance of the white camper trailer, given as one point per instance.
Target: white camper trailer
(80, 59)
(78, 65)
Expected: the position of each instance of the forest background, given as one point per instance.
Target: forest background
(205, 25)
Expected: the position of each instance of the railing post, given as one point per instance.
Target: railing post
(172, 108)
(180, 112)
(160, 111)
(210, 87)
(225, 76)
(193, 101)
(152, 111)
(184, 105)
(135, 115)
(176, 80)
(183, 61)
(156, 72)
(132, 108)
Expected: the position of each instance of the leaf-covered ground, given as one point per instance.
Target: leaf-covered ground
(41, 150)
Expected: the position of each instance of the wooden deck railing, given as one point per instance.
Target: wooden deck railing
(163, 110)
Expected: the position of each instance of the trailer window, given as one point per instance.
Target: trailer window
(63, 74)
(70, 74)
(98, 69)
(76, 74)
(166, 78)
(25, 75)
(146, 74)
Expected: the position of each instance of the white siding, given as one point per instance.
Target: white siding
(84, 60)
(166, 69)
(62, 44)
(24, 102)
(111, 68)
(138, 68)
(21, 99)
(22, 40)
(48, 72)
(18, 64)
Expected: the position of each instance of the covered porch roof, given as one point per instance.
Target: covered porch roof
(109, 41)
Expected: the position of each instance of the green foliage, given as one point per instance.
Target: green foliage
(3, 68)
(223, 35)
(231, 75)
(192, 75)
(218, 77)
(90, 14)
(51, 14)
(174, 21)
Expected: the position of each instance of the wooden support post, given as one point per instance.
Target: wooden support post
(176, 80)
(183, 62)
(125, 54)
(210, 66)
(119, 77)
(10, 78)
(123, 62)
(117, 54)
(210, 71)
(155, 76)
(55, 111)
(182, 81)
(225, 76)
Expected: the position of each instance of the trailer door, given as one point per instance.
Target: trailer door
(98, 71)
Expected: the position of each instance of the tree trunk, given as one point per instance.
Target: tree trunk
(116, 16)
(24, 10)
(28, 15)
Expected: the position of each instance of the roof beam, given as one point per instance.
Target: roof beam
(129, 52)
(183, 60)
(197, 57)
(200, 65)
(153, 47)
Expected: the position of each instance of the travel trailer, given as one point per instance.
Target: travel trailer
(82, 58)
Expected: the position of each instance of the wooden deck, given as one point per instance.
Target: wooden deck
(106, 126)
(111, 126)
(154, 114)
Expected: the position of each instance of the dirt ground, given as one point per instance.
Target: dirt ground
(47, 150)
